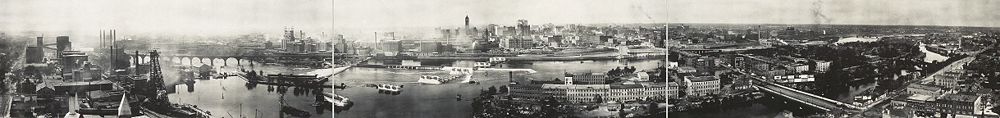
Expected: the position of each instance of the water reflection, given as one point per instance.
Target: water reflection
(223, 97)
(931, 56)
(443, 101)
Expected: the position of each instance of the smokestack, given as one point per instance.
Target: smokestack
(114, 59)
(135, 59)
(113, 40)
(510, 76)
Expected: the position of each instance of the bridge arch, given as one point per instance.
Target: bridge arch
(218, 60)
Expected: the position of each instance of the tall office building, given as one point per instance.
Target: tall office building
(523, 28)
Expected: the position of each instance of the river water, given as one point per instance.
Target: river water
(439, 101)
(770, 109)
(233, 97)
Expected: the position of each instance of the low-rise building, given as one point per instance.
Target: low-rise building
(947, 80)
(911, 102)
(822, 66)
(701, 85)
(924, 89)
(590, 78)
(962, 104)
(798, 67)
(794, 78)
(588, 93)
(673, 90)
(953, 104)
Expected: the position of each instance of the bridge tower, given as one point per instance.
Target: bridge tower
(156, 76)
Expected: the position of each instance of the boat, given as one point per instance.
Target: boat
(463, 76)
(294, 112)
(430, 80)
(198, 112)
(497, 59)
(341, 86)
(339, 101)
(388, 88)
(482, 64)
(302, 80)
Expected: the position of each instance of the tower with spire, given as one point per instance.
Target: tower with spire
(466, 21)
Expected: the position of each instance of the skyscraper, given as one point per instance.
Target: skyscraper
(523, 28)
(466, 21)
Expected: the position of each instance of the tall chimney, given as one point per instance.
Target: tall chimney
(114, 57)
(135, 59)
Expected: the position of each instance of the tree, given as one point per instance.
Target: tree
(995, 109)
(598, 99)
(550, 108)
(491, 91)
(503, 89)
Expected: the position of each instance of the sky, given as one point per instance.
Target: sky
(193, 17)
(870, 12)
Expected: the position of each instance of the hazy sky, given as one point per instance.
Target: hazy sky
(880, 12)
(198, 17)
(437, 13)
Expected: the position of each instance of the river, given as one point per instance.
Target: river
(439, 101)
(233, 97)
(772, 109)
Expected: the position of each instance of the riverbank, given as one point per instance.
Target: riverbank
(546, 58)
(439, 101)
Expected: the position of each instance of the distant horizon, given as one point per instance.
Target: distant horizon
(449, 26)
(833, 24)
(972, 13)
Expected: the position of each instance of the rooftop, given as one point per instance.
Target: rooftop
(621, 86)
(960, 97)
(919, 97)
(925, 87)
(701, 78)
(575, 86)
(78, 83)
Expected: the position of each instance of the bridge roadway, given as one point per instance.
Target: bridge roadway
(826, 104)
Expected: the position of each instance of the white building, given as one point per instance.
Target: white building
(822, 66)
(794, 78)
(673, 90)
(701, 85)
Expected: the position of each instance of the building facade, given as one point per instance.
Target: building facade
(701, 85)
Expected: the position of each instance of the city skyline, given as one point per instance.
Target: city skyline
(855, 12)
(388, 14)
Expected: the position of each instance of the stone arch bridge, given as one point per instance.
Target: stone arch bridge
(241, 59)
